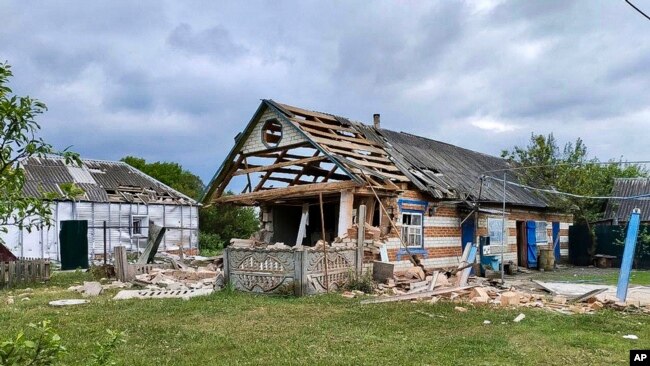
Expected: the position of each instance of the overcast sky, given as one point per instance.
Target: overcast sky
(176, 81)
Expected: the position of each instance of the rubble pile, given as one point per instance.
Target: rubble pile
(415, 285)
(186, 279)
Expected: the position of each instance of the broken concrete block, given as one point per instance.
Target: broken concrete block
(416, 272)
(596, 305)
(519, 318)
(460, 309)
(559, 299)
(91, 289)
(10, 301)
(509, 298)
(478, 292)
(348, 295)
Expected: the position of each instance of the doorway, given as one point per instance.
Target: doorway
(522, 244)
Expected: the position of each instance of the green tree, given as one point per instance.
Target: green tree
(19, 141)
(228, 221)
(569, 170)
(172, 174)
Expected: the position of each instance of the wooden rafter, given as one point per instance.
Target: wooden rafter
(280, 165)
(286, 192)
(268, 173)
(297, 178)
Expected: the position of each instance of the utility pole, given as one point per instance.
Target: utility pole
(504, 236)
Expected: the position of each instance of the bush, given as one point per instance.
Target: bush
(210, 244)
(44, 348)
(360, 283)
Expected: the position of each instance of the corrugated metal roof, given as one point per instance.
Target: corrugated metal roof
(445, 170)
(102, 181)
(627, 187)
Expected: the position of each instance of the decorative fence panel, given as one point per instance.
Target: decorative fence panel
(24, 271)
(301, 271)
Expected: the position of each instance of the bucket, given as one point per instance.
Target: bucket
(546, 259)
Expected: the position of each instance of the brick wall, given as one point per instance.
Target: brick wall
(442, 232)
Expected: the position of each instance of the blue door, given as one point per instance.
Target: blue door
(532, 244)
(467, 232)
(556, 240)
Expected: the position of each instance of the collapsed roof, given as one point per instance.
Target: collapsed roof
(361, 155)
(100, 180)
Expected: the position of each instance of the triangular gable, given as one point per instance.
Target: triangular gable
(253, 142)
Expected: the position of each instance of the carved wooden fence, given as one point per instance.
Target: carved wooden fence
(302, 271)
(24, 271)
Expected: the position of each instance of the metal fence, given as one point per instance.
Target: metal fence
(24, 271)
(609, 241)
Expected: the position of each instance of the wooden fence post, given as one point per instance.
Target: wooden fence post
(361, 238)
(121, 263)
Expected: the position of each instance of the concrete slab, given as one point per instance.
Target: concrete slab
(163, 294)
(68, 302)
(639, 295)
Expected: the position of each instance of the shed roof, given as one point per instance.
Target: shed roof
(101, 180)
(627, 187)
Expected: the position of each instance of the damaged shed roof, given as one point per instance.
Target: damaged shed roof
(620, 210)
(101, 181)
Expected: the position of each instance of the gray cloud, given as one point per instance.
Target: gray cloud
(177, 81)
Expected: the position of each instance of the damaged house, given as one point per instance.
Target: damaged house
(310, 172)
(115, 199)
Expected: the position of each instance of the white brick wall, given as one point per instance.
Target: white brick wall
(290, 134)
(440, 221)
(442, 242)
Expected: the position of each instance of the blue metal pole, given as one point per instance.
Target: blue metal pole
(628, 254)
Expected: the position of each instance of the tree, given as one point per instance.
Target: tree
(19, 141)
(569, 170)
(171, 174)
(228, 221)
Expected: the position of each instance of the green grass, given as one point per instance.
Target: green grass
(235, 328)
(591, 275)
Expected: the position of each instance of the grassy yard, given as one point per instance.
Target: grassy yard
(608, 276)
(235, 328)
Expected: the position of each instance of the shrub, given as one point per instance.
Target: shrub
(360, 283)
(44, 348)
(210, 244)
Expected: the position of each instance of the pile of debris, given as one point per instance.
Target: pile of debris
(186, 279)
(415, 285)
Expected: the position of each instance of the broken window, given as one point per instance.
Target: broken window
(540, 232)
(272, 133)
(412, 228)
(139, 225)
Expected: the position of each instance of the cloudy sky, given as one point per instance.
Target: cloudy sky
(176, 81)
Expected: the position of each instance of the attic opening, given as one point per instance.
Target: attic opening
(272, 133)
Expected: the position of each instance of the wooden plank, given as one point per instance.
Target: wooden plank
(321, 124)
(311, 189)
(381, 159)
(268, 174)
(361, 237)
(341, 137)
(415, 296)
(391, 168)
(156, 234)
(280, 165)
(346, 145)
(304, 112)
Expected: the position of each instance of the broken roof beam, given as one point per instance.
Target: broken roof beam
(280, 165)
(305, 189)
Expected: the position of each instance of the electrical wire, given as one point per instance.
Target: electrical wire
(637, 9)
(552, 191)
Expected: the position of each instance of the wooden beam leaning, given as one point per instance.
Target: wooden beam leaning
(280, 165)
(311, 189)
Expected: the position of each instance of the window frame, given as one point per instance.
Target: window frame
(500, 222)
(410, 227)
(142, 229)
(538, 226)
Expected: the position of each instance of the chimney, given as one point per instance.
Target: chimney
(376, 121)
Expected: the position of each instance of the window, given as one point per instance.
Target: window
(139, 225)
(272, 133)
(495, 230)
(540, 232)
(412, 228)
